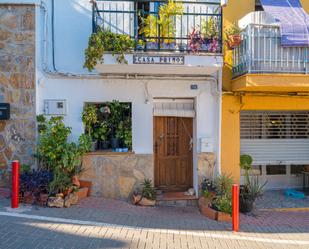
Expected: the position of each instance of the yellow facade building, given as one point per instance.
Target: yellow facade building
(265, 103)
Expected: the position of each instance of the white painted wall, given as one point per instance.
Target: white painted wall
(72, 28)
(79, 91)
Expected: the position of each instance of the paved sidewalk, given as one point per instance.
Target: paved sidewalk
(102, 223)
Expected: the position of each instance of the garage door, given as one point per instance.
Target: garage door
(275, 138)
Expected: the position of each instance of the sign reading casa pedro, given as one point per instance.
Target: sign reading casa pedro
(158, 59)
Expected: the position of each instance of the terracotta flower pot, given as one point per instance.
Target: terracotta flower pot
(43, 198)
(75, 181)
(233, 41)
(142, 201)
(67, 191)
(28, 197)
(86, 184)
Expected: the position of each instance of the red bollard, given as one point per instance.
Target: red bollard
(235, 206)
(15, 184)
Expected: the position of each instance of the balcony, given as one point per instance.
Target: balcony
(261, 63)
(170, 37)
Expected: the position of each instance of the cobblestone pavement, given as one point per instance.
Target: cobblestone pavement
(102, 223)
(277, 199)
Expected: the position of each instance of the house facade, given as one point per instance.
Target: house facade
(193, 105)
(173, 92)
(265, 105)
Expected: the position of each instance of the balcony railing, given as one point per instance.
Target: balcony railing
(191, 26)
(261, 52)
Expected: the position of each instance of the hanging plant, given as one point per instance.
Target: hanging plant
(106, 41)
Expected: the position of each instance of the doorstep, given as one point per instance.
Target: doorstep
(176, 199)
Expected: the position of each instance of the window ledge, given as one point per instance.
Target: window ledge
(109, 153)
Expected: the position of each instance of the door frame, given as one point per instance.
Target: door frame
(194, 154)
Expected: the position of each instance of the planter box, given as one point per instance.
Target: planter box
(223, 217)
(206, 210)
(86, 184)
(82, 193)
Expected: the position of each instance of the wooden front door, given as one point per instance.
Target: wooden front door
(173, 153)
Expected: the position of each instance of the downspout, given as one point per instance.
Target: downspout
(219, 79)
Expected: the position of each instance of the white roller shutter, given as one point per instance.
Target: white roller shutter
(174, 108)
(275, 137)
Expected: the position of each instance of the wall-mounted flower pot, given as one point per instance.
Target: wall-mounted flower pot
(233, 41)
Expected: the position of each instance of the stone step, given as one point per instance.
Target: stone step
(177, 203)
(176, 199)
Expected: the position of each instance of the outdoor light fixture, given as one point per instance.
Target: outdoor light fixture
(224, 2)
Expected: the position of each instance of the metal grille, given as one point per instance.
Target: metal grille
(274, 125)
(261, 52)
(129, 17)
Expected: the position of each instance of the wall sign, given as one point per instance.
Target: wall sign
(158, 59)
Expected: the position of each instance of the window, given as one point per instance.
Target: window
(297, 169)
(274, 125)
(256, 170)
(275, 169)
(109, 125)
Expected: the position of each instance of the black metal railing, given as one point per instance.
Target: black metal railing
(160, 25)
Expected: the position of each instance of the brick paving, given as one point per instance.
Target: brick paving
(118, 224)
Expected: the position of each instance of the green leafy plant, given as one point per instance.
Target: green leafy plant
(246, 165)
(60, 183)
(25, 169)
(124, 132)
(233, 29)
(53, 150)
(148, 190)
(223, 184)
(210, 28)
(106, 41)
(164, 23)
(102, 132)
(89, 117)
(223, 200)
(223, 203)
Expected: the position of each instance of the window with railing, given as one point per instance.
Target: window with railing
(185, 26)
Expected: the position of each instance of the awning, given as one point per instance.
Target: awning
(294, 21)
(174, 108)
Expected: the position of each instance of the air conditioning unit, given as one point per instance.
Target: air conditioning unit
(57, 107)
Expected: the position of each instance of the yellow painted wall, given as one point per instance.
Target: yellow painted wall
(232, 105)
(235, 10)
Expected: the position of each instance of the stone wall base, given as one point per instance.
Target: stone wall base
(206, 167)
(116, 175)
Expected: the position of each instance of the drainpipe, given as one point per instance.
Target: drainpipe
(219, 79)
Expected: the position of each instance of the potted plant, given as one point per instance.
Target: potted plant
(105, 41)
(61, 184)
(251, 188)
(233, 36)
(101, 135)
(163, 24)
(218, 205)
(210, 32)
(148, 196)
(90, 118)
(196, 40)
